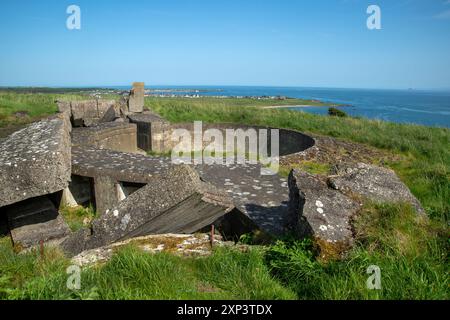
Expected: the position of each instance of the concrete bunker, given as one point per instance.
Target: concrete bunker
(104, 165)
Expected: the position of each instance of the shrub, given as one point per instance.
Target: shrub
(336, 113)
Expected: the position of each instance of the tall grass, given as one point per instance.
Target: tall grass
(134, 274)
(411, 254)
(28, 107)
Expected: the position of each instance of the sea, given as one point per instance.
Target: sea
(430, 108)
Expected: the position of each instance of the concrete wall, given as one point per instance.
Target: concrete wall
(120, 137)
(290, 141)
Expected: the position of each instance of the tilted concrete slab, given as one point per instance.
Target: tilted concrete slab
(177, 202)
(35, 161)
(321, 212)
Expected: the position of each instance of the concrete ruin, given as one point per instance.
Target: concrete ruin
(136, 99)
(317, 211)
(35, 168)
(95, 152)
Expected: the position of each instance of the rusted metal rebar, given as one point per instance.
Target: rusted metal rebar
(211, 239)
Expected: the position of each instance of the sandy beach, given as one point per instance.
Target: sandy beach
(292, 106)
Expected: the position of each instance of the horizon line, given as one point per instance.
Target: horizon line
(198, 86)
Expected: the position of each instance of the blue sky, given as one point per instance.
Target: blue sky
(321, 43)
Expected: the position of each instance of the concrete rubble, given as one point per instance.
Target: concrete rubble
(35, 161)
(178, 202)
(321, 212)
(35, 167)
(198, 244)
(372, 182)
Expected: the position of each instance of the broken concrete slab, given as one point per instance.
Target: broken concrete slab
(323, 213)
(35, 161)
(372, 182)
(178, 244)
(178, 202)
(126, 167)
(35, 220)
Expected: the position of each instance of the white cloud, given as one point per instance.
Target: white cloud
(443, 15)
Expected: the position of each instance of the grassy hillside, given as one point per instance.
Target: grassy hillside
(411, 252)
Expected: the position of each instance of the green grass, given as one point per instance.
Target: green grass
(76, 217)
(133, 274)
(232, 102)
(30, 106)
(411, 253)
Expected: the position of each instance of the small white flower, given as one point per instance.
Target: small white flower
(116, 213)
(319, 204)
(320, 210)
(323, 228)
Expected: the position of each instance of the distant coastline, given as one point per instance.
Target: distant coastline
(304, 106)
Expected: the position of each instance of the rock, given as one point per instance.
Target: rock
(178, 202)
(323, 213)
(178, 244)
(35, 161)
(372, 182)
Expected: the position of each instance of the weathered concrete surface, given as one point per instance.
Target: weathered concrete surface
(151, 130)
(262, 198)
(178, 202)
(126, 167)
(105, 193)
(35, 161)
(79, 193)
(111, 135)
(323, 213)
(178, 244)
(136, 100)
(89, 112)
(84, 113)
(35, 220)
(108, 171)
(372, 182)
(107, 110)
